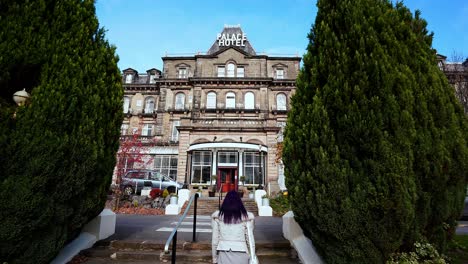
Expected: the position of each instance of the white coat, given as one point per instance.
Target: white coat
(234, 237)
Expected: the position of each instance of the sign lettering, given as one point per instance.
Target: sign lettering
(231, 39)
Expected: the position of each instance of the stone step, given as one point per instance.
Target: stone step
(187, 252)
(205, 245)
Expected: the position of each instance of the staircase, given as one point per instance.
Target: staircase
(143, 252)
(208, 205)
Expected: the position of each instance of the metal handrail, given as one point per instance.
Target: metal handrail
(220, 195)
(173, 236)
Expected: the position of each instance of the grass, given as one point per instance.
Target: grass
(458, 250)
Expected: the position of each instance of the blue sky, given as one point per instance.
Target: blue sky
(145, 30)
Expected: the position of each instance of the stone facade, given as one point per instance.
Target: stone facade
(218, 115)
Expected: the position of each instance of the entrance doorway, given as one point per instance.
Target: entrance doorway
(227, 177)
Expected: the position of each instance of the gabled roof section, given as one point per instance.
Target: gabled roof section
(231, 36)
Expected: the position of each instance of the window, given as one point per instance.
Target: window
(182, 73)
(126, 104)
(249, 100)
(281, 125)
(240, 71)
(128, 78)
(124, 129)
(226, 158)
(230, 100)
(175, 132)
(180, 101)
(166, 165)
(152, 78)
(147, 130)
(279, 73)
(281, 101)
(221, 71)
(211, 100)
(231, 68)
(201, 167)
(252, 168)
(149, 105)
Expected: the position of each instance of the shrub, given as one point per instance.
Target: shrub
(424, 253)
(57, 163)
(375, 148)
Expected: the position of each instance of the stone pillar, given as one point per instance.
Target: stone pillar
(184, 137)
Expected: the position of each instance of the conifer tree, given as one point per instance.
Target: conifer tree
(61, 147)
(375, 147)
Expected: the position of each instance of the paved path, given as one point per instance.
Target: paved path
(159, 227)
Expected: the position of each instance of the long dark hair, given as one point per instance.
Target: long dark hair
(232, 211)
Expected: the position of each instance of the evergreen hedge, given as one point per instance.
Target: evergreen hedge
(58, 154)
(375, 150)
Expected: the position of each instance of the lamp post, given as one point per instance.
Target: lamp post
(20, 97)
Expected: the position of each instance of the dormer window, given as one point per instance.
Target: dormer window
(128, 78)
(152, 78)
(182, 73)
(441, 65)
(279, 73)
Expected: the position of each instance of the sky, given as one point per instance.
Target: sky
(146, 30)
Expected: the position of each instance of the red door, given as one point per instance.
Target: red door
(227, 177)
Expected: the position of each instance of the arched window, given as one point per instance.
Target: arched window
(231, 69)
(249, 100)
(149, 105)
(230, 100)
(211, 100)
(180, 101)
(281, 101)
(126, 104)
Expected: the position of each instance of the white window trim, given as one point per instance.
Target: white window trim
(175, 131)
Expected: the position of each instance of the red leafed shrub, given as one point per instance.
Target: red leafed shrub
(155, 192)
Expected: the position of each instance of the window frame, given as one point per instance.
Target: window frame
(204, 166)
(177, 104)
(147, 101)
(182, 72)
(228, 105)
(243, 71)
(283, 106)
(175, 131)
(211, 104)
(249, 104)
(126, 104)
(230, 73)
(278, 76)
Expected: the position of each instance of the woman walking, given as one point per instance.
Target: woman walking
(233, 239)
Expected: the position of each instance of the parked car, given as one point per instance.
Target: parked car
(135, 180)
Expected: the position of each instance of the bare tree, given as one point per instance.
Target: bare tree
(457, 74)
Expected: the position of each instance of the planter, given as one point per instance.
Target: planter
(265, 202)
(173, 200)
(211, 194)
